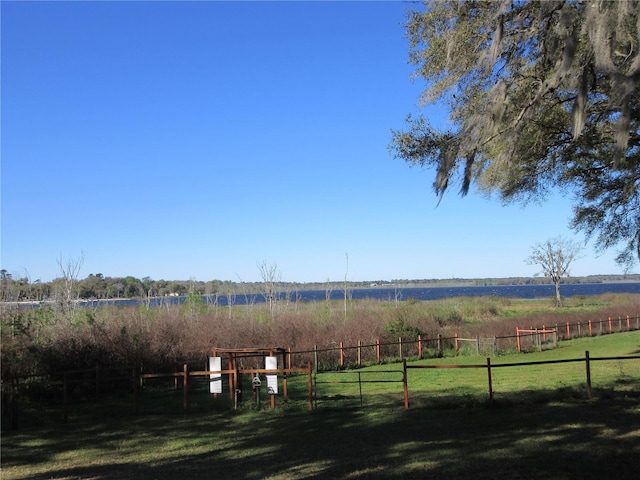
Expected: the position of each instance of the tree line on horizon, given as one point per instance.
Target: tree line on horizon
(97, 286)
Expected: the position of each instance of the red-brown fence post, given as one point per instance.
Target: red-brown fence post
(289, 359)
(342, 354)
(378, 352)
(458, 346)
(568, 331)
(590, 328)
(628, 323)
(420, 347)
(359, 352)
(610, 326)
(518, 340)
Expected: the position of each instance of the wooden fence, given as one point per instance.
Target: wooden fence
(534, 338)
(489, 366)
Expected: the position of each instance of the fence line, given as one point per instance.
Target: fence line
(489, 366)
(545, 335)
(383, 350)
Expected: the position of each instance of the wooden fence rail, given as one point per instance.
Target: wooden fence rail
(489, 366)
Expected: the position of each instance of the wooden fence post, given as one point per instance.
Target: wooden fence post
(400, 347)
(590, 328)
(588, 366)
(628, 323)
(315, 356)
(518, 340)
(439, 345)
(342, 354)
(568, 331)
(359, 352)
(310, 384)
(420, 347)
(458, 346)
(610, 326)
(378, 352)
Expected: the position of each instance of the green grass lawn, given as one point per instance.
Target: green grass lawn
(529, 435)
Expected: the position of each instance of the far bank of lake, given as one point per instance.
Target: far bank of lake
(392, 294)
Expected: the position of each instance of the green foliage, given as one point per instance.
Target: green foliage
(543, 95)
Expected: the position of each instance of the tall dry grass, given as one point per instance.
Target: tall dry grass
(42, 341)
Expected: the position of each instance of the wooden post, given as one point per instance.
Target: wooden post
(400, 347)
(458, 346)
(628, 323)
(378, 352)
(610, 326)
(232, 374)
(359, 352)
(285, 393)
(405, 384)
(420, 347)
(490, 381)
(477, 345)
(289, 359)
(315, 356)
(588, 365)
(579, 331)
(590, 328)
(185, 386)
(342, 354)
(517, 340)
(310, 385)
(568, 330)
(439, 345)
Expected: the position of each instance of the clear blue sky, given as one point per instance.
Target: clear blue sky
(197, 140)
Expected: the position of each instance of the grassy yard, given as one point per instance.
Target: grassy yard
(536, 434)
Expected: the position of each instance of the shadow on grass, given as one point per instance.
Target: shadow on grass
(561, 440)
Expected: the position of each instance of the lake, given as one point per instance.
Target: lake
(390, 293)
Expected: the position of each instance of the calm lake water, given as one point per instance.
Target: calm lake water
(390, 293)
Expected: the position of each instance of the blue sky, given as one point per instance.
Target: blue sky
(198, 140)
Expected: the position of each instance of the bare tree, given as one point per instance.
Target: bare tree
(271, 278)
(67, 292)
(554, 257)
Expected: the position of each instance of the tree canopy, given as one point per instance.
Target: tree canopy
(543, 95)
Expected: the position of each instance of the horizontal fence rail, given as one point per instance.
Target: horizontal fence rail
(587, 360)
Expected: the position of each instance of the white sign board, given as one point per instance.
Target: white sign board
(215, 379)
(271, 363)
